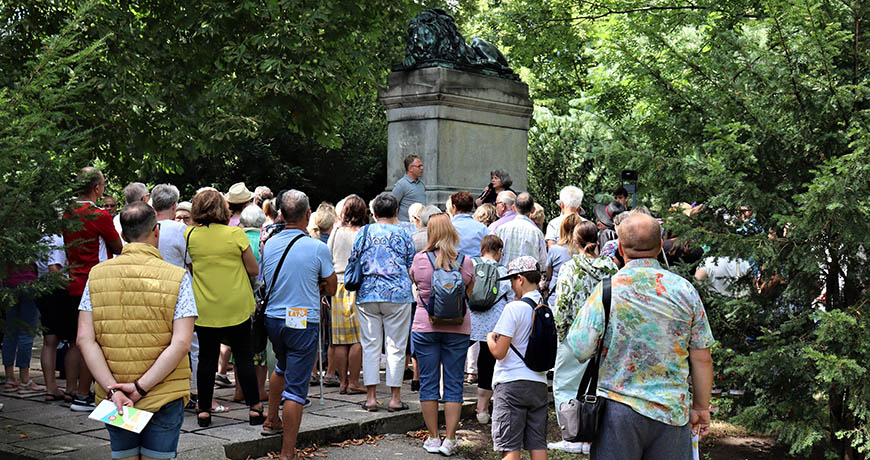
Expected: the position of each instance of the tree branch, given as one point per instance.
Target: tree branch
(643, 9)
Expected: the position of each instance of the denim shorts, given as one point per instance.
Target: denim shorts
(437, 351)
(159, 439)
(296, 353)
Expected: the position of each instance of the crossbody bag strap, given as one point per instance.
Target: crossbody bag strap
(589, 383)
(186, 246)
(534, 305)
(278, 269)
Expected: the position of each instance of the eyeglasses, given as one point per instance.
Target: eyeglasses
(156, 226)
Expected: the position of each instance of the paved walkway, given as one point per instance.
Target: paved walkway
(31, 428)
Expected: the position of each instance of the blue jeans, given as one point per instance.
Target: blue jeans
(437, 351)
(21, 322)
(159, 439)
(296, 352)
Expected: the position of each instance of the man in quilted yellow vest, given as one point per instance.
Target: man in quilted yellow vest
(135, 328)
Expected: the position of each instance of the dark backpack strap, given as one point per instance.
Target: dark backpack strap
(534, 305)
(431, 257)
(278, 268)
(589, 383)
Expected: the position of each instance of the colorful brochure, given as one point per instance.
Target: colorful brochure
(131, 420)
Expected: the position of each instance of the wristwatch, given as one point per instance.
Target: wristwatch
(139, 389)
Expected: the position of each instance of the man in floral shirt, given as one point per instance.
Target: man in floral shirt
(658, 332)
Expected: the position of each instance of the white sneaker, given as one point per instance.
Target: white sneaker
(432, 445)
(482, 418)
(447, 447)
(565, 446)
(586, 448)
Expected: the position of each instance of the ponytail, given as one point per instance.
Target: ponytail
(591, 249)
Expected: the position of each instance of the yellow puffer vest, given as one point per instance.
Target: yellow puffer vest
(134, 297)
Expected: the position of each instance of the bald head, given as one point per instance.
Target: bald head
(639, 237)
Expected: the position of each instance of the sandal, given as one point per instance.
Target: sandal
(404, 406)
(204, 422)
(258, 419)
(54, 397)
(10, 386)
(269, 430)
(356, 391)
(29, 387)
(369, 408)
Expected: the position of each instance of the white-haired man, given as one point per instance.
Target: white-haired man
(570, 201)
(164, 200)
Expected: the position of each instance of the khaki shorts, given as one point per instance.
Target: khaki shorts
(519, 416)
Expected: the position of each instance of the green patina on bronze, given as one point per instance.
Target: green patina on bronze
(433, 40)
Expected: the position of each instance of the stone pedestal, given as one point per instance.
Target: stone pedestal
(462, 125)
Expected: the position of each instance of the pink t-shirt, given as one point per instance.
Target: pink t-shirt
(421, 271)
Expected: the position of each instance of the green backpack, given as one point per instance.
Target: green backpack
(485, 292)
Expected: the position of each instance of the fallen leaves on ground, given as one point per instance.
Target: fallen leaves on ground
(371, 440)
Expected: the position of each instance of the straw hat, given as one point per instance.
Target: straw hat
(239, 193)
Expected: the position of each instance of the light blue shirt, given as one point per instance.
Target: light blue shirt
(408, 192)
(308, 261)
(470, 234)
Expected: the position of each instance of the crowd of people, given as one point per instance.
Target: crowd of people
(165, 295)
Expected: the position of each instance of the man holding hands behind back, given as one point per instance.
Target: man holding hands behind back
(135, 328)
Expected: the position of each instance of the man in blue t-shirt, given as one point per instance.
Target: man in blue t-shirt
(293, 313)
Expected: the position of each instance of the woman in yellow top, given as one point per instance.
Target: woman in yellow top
(222, 263)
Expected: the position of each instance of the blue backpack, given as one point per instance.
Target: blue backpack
(447, 303)
(541, 351)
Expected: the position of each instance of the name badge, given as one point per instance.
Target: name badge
(297, 318)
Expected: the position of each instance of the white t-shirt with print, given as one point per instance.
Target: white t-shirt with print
(516, 322)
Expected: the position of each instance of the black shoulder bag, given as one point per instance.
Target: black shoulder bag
(258, 322)
(580, 418)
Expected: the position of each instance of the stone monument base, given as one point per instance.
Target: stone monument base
(462, 125)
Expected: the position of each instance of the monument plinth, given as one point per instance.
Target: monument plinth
(462, 117)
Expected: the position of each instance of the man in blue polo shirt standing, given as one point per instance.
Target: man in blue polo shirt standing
(293, 314)
(410, 189)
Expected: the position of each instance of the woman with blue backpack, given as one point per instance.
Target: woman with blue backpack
(441, 328)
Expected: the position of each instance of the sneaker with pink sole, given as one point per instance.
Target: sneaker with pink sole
(432, 445)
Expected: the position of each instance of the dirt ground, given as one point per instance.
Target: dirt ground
(726, 442)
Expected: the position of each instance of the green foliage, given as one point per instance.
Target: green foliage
(731, 104)
(178, 83)
(41, 139)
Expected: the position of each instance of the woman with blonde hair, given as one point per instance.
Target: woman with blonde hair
(558, 254)
(222, 261)
(440, 348)
(486, 214)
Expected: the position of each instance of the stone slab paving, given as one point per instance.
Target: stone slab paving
(31, 428)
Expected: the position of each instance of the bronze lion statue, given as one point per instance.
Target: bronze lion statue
(433, 40)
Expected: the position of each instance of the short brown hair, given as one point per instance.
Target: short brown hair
(490, 244)
(462, 202)
(408, 160)
(354, 213)
(533, 276)
(209, 207)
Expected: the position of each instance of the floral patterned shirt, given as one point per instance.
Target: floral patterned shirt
(656, 317)
(387, 254)
(577, 279)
